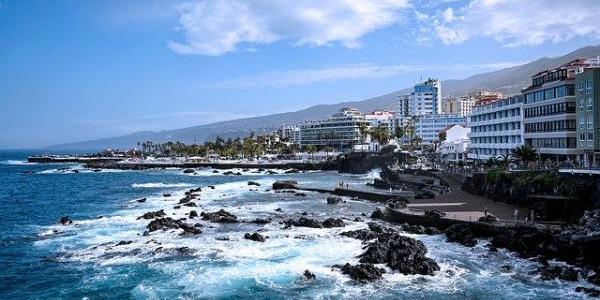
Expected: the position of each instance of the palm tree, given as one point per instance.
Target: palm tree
(381, 134)
(311, 149)
(505, 160)
(525, 154)
(398, 132)
(363, 130)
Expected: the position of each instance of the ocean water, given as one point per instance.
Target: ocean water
(40, 259)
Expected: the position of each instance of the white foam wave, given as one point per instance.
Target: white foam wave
(373, 174)
(154, 185)
(17, 162)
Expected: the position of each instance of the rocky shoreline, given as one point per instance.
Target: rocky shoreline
(576, 245)
(386, 249)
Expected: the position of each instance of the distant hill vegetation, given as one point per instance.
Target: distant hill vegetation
(509, 81)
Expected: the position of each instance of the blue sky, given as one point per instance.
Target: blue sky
(78, 70)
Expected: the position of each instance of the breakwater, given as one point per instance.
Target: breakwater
(304, 166)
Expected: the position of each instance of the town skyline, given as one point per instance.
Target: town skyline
(115, 69)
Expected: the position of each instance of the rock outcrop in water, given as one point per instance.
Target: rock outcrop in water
(398, 252)
(333, 222)
(152, 215)
(308, 275)
(65, 221)
(462, 234)
(285, 185)
(333, 200)
(162, 223)
(362, 272)
(169, 223)
(303, 222)
(257, 237)
(220, 216)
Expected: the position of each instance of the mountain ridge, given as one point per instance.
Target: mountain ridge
(508, 81)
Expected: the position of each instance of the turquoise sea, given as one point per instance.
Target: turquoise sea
(40, 259)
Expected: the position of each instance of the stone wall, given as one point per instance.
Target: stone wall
(552, 195)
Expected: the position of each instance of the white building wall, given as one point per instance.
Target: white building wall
(496, 128)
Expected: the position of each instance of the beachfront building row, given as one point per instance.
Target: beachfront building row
(428, 127)
(462, 106)
(496, 128)
(455, 144)
(346, 130)
(289, 133)
(556, 115)
(587, 96)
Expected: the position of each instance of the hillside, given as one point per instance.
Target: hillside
(509, 81)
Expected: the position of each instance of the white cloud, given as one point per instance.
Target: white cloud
(518, 22)
(215, 27)
(280, 79)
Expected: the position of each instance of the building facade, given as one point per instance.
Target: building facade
(426, 98)
(462, 106)
(549, 113)
(289, 133)
(587, 93)
(340, 131)
(428, 127)
(496, 128)
(455, 145)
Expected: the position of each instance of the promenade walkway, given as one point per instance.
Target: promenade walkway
(462, 205)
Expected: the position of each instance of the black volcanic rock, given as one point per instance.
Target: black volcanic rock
(189, 228)
(220, 216)
(303, 222)
(257, 237)
(162, 223)
(261, 221)
(333, 200)
(253, 183)
(284, 184)
(362, 272)
(400, 253)
(308, 275)
(434, 213)
(332, 222)
(588, 291)
(461, 234)
(65, 221)
(152, 214)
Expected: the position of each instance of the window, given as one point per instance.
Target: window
(590, 121)
(590, 136)
(582, 137)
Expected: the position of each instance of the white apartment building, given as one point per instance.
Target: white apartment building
(550, 113)
(402, 115)
(496, 128)
(428, 127)
(455, 146)
(462, 106)
(426, 98)
(340, 131)
(290, 133)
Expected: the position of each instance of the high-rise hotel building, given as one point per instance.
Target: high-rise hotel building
(549, 112)
(495, 128)
(587, 95)
(426, 98)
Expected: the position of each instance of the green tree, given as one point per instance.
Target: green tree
(524, 154)
(381, 134)
(311, 149)
(363, 131)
